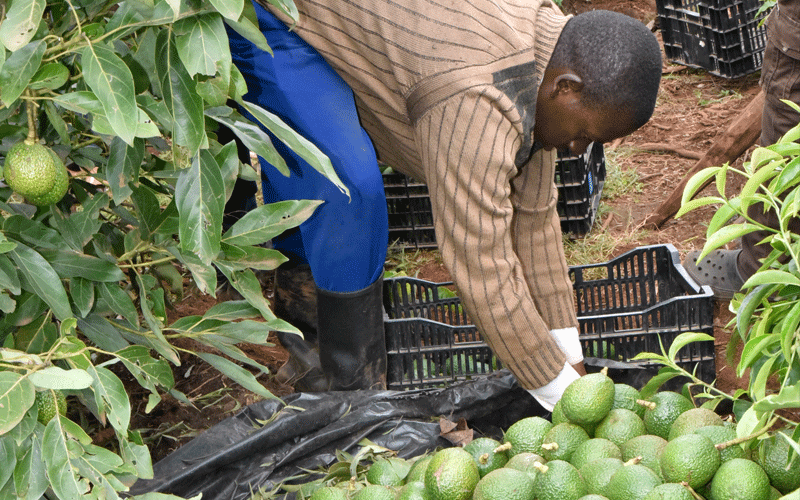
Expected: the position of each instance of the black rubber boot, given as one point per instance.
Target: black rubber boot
(352, 342)
(296, 303)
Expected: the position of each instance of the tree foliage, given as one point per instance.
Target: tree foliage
(129, 94)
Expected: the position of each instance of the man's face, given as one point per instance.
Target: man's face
(564, 123)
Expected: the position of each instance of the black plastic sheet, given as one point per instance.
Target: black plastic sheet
(271, 441)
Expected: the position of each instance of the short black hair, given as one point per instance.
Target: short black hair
(617, 57)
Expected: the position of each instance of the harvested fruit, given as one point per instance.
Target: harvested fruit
(488, 453)
(647, 447)
(418, 468)
(375, 492)
(526, 435)
(719, 434)
(691, 458)
(414, 490)
(505, 484)
(740, 479)
(597, 474)
(620, 426)
(631, 482)
(329, 493)
(661, 410)
(559, 480)
(588, 399)
(773, 455)
(691, 420)
(525, 462)
(625, 396)
(451, 475)
(669, 491)
(562, 440)
(594, 449)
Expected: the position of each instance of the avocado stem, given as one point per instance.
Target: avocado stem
(483, 459)
(31, 139)
(540, 467)
(744, 439)
(694, 494)
(633, 461)
(647, 404)
(503, 447)
(550, 446)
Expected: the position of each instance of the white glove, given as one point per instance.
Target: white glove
(569, 342)
(549, 394)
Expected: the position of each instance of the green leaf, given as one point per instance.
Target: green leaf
(788, 397)
(115, 399)
(236, 373)
(120, 301)
(723, 216)
(251, 257)
(789, 326)
(199, 195)
(111, 81)
(231, 9)
(49, 76)
(251, 135)
(18, 69)
(203, 43)
(228, 161)
(42, 280)
(57, 121)
(57, 460)
(21, 22)
(231, 310)
(122, 170)
(134, 452)
(696, 182)
(684, 339)
(664, 375)
(30, 478)
(254, 332)
(148, 371)
(102, 333)
(204, 275)
(71, 264)
(725, 235)
(9, 278)
(304, 148)
(267, 221)
(16, 396)
(54, 377)
(82, 293)
(184, 104)
(690, 205)
(759, 376)
(770, 277)
(8, 458)
(249, 29)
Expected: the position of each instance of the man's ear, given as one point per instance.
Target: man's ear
(566, 81)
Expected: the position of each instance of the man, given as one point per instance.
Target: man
(474, 98)
(725, 271)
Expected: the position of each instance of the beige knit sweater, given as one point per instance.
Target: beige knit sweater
(446, 90)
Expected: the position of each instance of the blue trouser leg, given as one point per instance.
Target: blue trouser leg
(345, 241)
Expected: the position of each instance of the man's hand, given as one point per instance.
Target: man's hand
(548, 395)
(569, 342)
(580, 368)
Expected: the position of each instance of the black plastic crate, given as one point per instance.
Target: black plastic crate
(410, 213)
(579, 180)
(624, 307)
(723, 37)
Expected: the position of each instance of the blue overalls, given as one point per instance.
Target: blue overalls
(345, 241)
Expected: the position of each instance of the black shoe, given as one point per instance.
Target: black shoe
(352, 342)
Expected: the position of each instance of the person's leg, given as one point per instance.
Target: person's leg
(725, 271)
(345, 241)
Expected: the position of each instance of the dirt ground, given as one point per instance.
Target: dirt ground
(693, 107)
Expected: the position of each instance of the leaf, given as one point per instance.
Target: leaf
(82, 293)
(231, 9)
(57, 378)
(696, 182)
(148, 371)
(267, 221)
(304, 148)
(684, 339)
(122, 169)
(102, 333)
(252, 257)
(21, 22)
(133, 451)
(204, 275)
(8, 458)
(57, 460)
(664, 375)
(203, 43)
(199, 195)
(30, 479)
(236, 373)
(184, 104)
(248, 29)
(16, 396)
(115, 399)
(111, 81)
(18, 69)
(120, 301)
(42, 280)
(56, 121)
(723, 216)
(231, 310)
(251, 135)
(725, 235)
(49, 76)
(788, 397)
(770, 277)
(71, 264)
